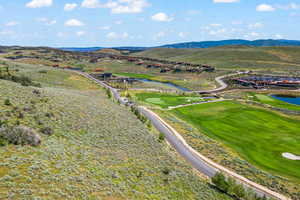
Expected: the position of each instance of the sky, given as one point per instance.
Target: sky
(108, 23)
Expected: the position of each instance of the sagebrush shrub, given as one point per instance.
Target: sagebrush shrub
(20, 135)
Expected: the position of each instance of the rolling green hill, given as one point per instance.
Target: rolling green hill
(96, 149)
(234, 57)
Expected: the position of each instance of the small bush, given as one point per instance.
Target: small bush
(220, 181)
(166, 171)
(47, 131)
(161, 137)
(108, 92)
(20, 135)
(43, 71)
(7, 102)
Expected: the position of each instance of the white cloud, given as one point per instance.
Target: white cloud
(114, 35)
(182, 34)
(91, 4)
(278, 36)
(265, 8)
(118, 6)
(236, 22)
(39, 3)
(225, 1)
(217, 32)
(11, 23)
(215, 25)
(119, 22)
(105, 28)
(46, 21)
(73, 22)
(61, 34)
(80, 33)
(7, 33)
(255, 25)
(70, 6)
(162, 17)
(290, 6)
(159, 35)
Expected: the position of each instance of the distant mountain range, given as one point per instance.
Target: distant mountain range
(204, 44)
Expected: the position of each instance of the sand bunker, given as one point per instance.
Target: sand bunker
(290, 156)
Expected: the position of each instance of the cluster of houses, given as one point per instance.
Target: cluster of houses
(163, 65)
(57, 56)
(265, 81)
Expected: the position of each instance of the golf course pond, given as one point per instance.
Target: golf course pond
(288, 99)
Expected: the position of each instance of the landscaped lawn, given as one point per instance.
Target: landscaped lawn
(258, 135)
(263, 98)
(166, 100)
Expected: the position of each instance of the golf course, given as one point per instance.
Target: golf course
(257, 135)
(165, 100)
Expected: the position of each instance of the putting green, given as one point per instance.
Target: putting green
(258, 135)
(158, 101)
(166, 100)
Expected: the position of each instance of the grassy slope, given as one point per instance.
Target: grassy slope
(259, 136)
(99, 149)
(232, 57)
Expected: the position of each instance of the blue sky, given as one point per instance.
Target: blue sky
(108, 23)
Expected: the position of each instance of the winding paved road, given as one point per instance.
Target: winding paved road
(221, 82)
(198, 161)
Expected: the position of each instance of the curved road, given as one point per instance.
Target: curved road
(222, 83)
(198, 161)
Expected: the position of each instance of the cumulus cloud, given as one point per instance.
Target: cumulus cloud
(70, 6)
(255, 25)
(39, 3)
(80, 33)
(73, 22)
(160, 35)
(265, 8)
(105, 28)
(11, 23)
(46, 21)
(118, 6)
(225, 1)
(215, 25)
(278, 36)
(290, 6)
(161, 17)
(114, 35)
(182, 34)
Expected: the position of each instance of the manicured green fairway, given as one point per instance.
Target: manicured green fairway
(258, 135)
(166, 100)
(275, 102)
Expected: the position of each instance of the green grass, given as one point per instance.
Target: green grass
(282, 59)
(99, 150)
(266, 99)
(164, 100)
(259, 136)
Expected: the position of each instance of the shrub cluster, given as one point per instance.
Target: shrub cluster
(20, 135)
(139, 115)
(108, 93)
(231, 187)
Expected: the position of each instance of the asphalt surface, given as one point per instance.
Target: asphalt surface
(197, 163)
(221, 82)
